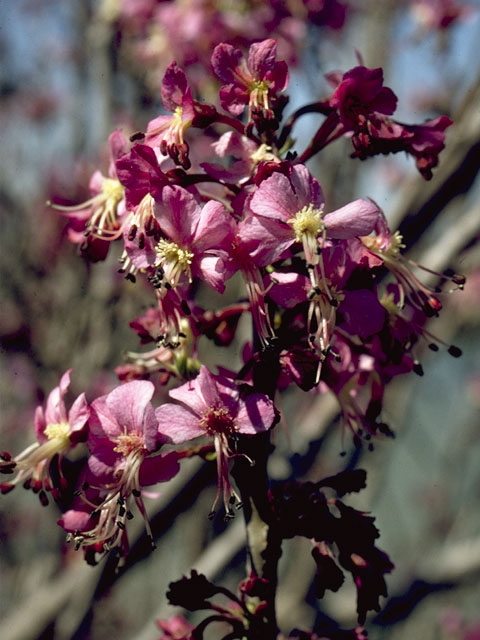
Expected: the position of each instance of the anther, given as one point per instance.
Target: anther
(185, 308)
(130, 277)
(5, 456)
(120, 525)
(138, 135)
(43, 498)
(136, 493)
(418, 369)
(454, 351)
(132, 232)
(211, 515)
(433, 347)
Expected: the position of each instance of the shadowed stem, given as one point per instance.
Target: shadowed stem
(263, 542)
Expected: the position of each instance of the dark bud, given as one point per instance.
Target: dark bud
(6, 487)
(138, 135)
(418, 369)
(454, 351)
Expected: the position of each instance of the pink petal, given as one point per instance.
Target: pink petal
(178, 214)
(225, 59)
(212, 270)
(102, 424)
(275, 199)
(256, 414)
(128, 404)
(357, 218)
(174, 86)
(40, 424)
(199, 394)
(306, 188)
(74, 520)
(158, 469)
(55, 410)
(261, 57)
(214, 229)
(265, 240)
(177, 423)
(79, 413)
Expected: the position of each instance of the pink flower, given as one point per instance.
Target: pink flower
(362, 105)
(246, 152)
(215, 407)
(166, 132)
(175, 628)
(254, 82)
(99, 220)
(190, 243)
(57, 431)
(290, 209)
(123, 434)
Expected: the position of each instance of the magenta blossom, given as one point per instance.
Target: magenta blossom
(361, 106)
(57, 431)
(167, 132)
(99, 220)
(215, 407)
(292, 210)
(254, 82)
(123, 434)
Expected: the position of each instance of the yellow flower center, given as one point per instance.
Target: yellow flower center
(393, 251)
(129, 443)
(59, 431)
(112, 190)
(307, 221)
(174, 260)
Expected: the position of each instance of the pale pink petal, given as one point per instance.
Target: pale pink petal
(177, 423)
(255, 414)
(74, 520)
(178, 214)
(199, 394)
(265, 240)
(128, 405)
(212, 270)
(40, 424)
(307, 189)
(275, 198)
(79, 413)
(214, 228)
(357, 218)
(101, 423)
(234, 144)
(55, 410)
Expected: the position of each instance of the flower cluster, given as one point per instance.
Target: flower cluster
(334, 307)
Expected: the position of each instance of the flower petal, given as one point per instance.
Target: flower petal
(177, 423)
(357, 218)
